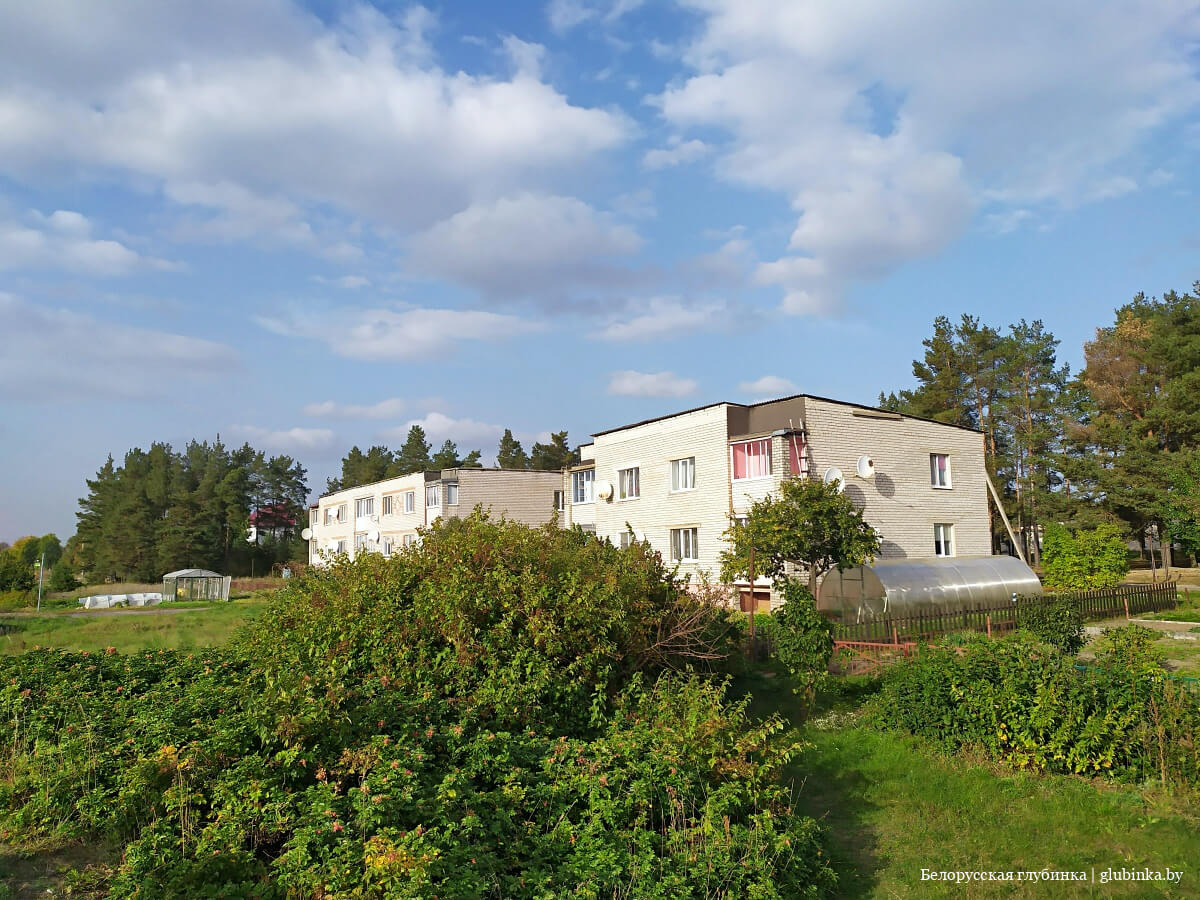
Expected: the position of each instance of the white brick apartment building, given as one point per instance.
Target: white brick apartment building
(385, 515)
(676, 480)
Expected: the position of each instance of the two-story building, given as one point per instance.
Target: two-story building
(386, 515)
(675, 481)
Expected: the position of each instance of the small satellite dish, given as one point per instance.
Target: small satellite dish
(604, 489)
(373, 535)
(332, 545)
(865, 467)
(251, 534)
(832, 474)
(306, 534)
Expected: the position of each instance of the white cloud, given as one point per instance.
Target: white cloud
(677, 152)
(527, 245)
(349, 282)
(63, 240)
(395, 334)
(57, 353)
(629, 383)
(768, 386)
(384, 409)
(466, 433)
(312, 441)
(274, 116)
(847, 110)
(665, 317)
(567, 14)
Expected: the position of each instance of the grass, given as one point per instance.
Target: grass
(893, 805)
(174, 626)
(1188, 609)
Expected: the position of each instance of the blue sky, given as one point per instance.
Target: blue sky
(308, 227)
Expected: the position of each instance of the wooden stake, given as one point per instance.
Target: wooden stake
(988, 620)
(1126, 599)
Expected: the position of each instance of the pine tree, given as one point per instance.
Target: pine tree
(414, 455)
(553, 456)
(446, 457)
(510, 454)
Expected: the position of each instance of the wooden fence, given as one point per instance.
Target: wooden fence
(1126, 600)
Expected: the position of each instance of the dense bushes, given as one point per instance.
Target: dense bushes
(493, 713)
(1052, 620)
(1083, 561)
(1029, 705)
(803, 637)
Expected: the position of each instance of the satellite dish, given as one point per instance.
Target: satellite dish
(306, 534)
(639, 535)
(332, 545)
(832, 474)
(865, 467)
(373, 535)
(251, 534)
(604, 490)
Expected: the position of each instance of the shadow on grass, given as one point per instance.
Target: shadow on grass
(826, 783)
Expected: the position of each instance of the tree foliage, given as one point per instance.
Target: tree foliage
(807, 523)
(510, 454)
(163, 510)
(1087, 560)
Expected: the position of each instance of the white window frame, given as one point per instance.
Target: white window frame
(341, 546)
(360, 541)
(933, 472)
(389, 504)
(388, 544)
(685, 541)
(434, 491)
(625, 538)
(408, 540)
(683, 475)
(452, 495)
(943, 539)
(629, 478)
(364, 507)
(560, 501)
(583, 486)
(335, 515)
(770, 463)
(410, 501)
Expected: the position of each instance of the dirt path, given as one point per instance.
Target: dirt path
(87, 613)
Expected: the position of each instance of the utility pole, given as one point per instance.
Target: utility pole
(41, 578)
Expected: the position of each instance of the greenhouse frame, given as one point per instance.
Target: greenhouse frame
(195, 584)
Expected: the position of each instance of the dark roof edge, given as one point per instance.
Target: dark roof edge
(685, 412)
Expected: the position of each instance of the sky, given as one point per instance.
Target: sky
(311, 226)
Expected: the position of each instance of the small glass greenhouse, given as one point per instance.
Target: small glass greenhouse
(909, 587)
(195, 584)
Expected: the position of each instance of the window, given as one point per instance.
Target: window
(335, 514)
(410, 501)
(683, 544)
(341, 546)
(625, 538)
(433, 495)
(751, 459)
(329, 515)
(313, 516)
(559, 503)
(388, 543)
(388, 505)
(360, 541)
(683, 474)
(364, 506)
(452, 495)
(583, 485)
(943, 540)
(797, 457)
(408, 540)
(939, 470)
(629, 484)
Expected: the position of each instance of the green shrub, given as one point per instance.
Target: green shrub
(1083, 561)
(1052, 620)
(1131, 647)
(803, 637)
(62, 577)
(492, 714)
(1023, 702)
(15, 573)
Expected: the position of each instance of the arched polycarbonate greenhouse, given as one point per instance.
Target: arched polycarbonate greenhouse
(195, 584)
(907, 587)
